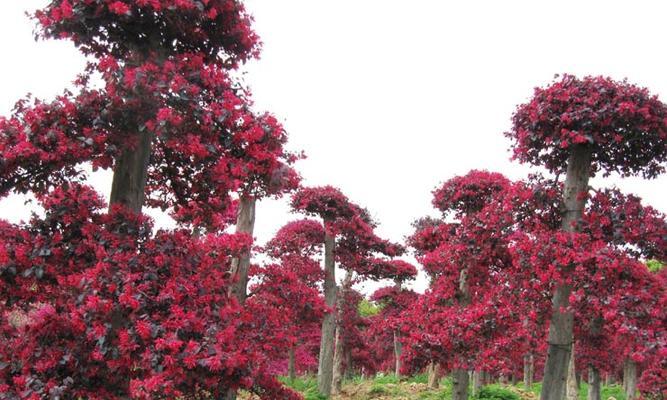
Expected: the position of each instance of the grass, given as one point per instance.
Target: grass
(615, 391)
(388, 386)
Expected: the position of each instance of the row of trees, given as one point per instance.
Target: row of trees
(98, 304)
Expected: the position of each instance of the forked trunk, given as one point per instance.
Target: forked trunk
(433, 375)
(325, 365)
(593, 384)
(571, 391)
(460, 384)
(528, 370)
(245, 223)
(560, 328)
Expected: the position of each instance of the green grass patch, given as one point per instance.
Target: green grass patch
(306, 385)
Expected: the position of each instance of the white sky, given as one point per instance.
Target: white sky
(389, 98)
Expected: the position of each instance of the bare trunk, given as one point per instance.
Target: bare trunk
(609, 379)
(630, 379)
(325, 367)
(560, 328)
(398, 348)
(348, 363)
(528, 370)
(130, 173)
(245, 223)
(477, 377)
(433, 375)
(291, 363)
(337, 375)
(339, 349)
(571, 391)
(460, 384)
(593, 384)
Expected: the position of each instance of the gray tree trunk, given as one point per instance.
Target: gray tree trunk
(339, 348)
(398, 348)
(348, 363)
(528, 370)
(609, 379)
(560, 328)
(460, 384)
(571, 390)
(291, 363)
(433, 375)
(130, 173)
(477, 377)
(337, 375)
(245, 223)
(630, 380)
(594, 384)
(325, 365)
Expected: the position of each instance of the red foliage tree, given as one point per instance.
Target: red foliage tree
(179, 135)
(581, 126)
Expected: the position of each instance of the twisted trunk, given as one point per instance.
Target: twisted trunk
(245, 223)
(560, 328)
(325, 365)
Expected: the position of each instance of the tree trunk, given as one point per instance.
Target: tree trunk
(477, 377)
(130, 173)
(339, 348)
(571, 391)
(325, 366)
(433, 375)
(291, 363)
(609, 379)
(348, 363)
(245, 223)
(630, 379)
(337, 375)
(560, 328)
(460, 384)
(593, 384)
(398, 347)
(528, 370)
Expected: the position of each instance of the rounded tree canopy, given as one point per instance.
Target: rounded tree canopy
(118, 28)
(624, 126)
(326, 202)
(469, 193)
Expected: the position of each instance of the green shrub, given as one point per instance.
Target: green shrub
(496, 392)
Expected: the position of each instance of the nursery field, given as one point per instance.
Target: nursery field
(387, 387)
(167, 238)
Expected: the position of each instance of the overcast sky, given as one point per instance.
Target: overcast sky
(389, 98)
